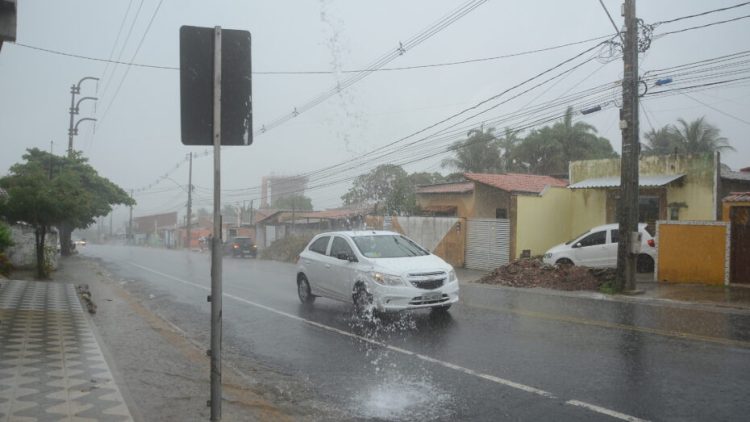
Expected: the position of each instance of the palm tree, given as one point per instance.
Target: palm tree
(478, 153)
(508, 145)
(662, 141)
(699, 137)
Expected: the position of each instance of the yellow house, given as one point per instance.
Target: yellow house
(672, 187)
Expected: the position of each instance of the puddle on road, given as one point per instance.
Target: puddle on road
(399, 399)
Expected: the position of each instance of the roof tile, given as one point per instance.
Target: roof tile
(516, 182)
(461, 187)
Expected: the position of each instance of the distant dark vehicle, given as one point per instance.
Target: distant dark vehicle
(241, 247)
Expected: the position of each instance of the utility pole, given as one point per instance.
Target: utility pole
(130, 223)
(627, 211)
(190, 202)
(74, 109)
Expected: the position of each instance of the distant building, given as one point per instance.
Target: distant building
(274, 188)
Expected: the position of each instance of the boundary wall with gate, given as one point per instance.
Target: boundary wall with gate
(693, 252)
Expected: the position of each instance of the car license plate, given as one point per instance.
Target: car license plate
(430, 297)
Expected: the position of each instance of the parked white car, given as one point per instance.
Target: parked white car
(382, 268)
(598, 248)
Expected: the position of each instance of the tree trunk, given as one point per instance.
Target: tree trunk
(41, 268)
(65, 233)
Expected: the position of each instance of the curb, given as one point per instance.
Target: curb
(698, 305)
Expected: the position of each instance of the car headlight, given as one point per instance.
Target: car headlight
(452, 276)
(386, 279)
(548, 255)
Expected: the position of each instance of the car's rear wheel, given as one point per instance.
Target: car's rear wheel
(644, 264)
(303, 290)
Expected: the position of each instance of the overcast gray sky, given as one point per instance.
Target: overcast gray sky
(137, 140)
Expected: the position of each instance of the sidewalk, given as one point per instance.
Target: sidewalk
(725, 297)
(51, 366)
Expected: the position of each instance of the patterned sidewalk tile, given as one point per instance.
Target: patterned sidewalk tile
(51, 366)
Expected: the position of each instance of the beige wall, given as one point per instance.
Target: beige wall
(588, 208)
(542, 221)
(464, 202)
(488, 200)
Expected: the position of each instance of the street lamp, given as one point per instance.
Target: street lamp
(73, 128)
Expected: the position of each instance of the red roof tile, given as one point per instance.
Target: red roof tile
(334, 214)
(461, 187)
(515, 182)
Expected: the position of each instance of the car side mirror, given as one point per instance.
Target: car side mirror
(577, 245)
(342, 256)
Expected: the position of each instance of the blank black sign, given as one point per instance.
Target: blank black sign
(197, 81)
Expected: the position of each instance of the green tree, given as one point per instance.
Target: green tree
(48, 190)
(6, 239)
(293, 202)
(548, 150)
(508, 146)
(387, 188)
(478, 153)
(699, 137)
(661, 142)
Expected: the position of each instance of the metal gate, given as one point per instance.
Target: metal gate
(487, 243)
(740, 234)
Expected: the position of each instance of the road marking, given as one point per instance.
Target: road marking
(604, 411)
(491, 378)
(604, 324)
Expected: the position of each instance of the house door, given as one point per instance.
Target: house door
(740, 246)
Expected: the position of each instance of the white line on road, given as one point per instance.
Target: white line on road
(492, 378)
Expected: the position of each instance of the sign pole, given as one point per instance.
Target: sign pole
(216, 252)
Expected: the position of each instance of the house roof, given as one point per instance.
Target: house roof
(741, 175)
(738, 197)
(516, 182)
(332, 214)
(613, 182)
(458, 187)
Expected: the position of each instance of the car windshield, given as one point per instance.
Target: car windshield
(387, 246)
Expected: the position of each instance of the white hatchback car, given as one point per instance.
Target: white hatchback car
(384, 268)
(598, 248)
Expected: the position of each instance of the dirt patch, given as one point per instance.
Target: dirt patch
(535, 273)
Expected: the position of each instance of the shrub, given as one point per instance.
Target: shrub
(5, 265)
(286, 249)
(5, 237)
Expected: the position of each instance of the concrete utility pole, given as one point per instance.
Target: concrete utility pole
(74, 109)
(627, 211)
(130, 223)
(190, 202)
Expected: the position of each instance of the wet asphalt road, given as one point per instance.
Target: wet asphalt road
(495, 357)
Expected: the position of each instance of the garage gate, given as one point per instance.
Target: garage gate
(487, 243)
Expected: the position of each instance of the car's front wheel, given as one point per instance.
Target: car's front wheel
(362, 299)
(564, 262)
(440, 309)
(303, 290)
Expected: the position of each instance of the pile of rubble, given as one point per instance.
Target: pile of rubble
(534, 273)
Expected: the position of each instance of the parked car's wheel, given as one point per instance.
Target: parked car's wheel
(644, 264)
(303, 290)
(362, 299)
(564, 262)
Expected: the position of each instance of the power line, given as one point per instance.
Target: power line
(124, 44)
(657, 36)
(127, 70)
(700, 14)
(117, 39)
(716, 109)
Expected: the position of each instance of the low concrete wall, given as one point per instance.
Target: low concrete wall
(692, 252)
(23, 252)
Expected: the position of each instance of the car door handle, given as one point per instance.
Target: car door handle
(328, 265)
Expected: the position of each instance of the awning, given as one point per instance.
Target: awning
(614, 182)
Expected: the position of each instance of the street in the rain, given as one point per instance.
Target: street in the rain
(497, 355)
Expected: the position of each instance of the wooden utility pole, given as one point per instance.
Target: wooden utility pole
(131, 238)
(627, 210)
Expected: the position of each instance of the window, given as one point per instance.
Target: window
(598, 238)
(339, 246)
(615, 236)
(501, 213)
(320, 245)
